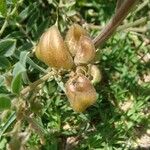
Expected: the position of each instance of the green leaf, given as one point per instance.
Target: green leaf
(3, 89)
(3, 143)
(5, 102)
(23, 57)
(4, 63)
(17, 84)
(19, 68)
(3, 7)
(27, 12)
(23, 60)
(24, 14)
(34, 65)
(32, 19)
(7, 47)
(14, 1)
(10, 120)
(1, 80)
(15, 34)
(25, 47)
(41, 28)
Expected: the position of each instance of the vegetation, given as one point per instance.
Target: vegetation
(35, 113)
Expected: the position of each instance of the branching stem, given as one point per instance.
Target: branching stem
(132, 24)
(109, 29)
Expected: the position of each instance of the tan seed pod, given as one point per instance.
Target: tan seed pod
(80, 92)
(52, 50)
(37, 53)
(86, 51)
(73, 36)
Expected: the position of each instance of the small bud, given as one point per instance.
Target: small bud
(86, 51)
(73, 36)
(52, 50)
(80, 92)
(96, 74)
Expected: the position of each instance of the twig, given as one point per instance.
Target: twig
(145, 39)
(140, 30)
(4, 26)
(121, 13)
(122, 27)
(141, 6)
(8, 16)
(33, 85)
(132, 24)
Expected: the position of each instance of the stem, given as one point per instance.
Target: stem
(33, 85)
(4, 26)
(120, 14)
(34, 65)
(132, 24)
(141, 6)
(122, 27)
(141, 30)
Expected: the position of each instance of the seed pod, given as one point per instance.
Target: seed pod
(86, 51)
(52, 50)
(73, 36)
(80, 92)
(37, 53)
(96, 74)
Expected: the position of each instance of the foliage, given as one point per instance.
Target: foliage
(40, 117)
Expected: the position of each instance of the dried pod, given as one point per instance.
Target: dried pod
(86, 51)
(52, 50)
(73, 36)
(80, 92)
(96, 74)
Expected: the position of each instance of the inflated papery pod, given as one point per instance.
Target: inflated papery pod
(80, 92)
(53, 51)
(73, 36)
(86, 51)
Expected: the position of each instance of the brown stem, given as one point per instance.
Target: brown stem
(120, 14)
(119, 3)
